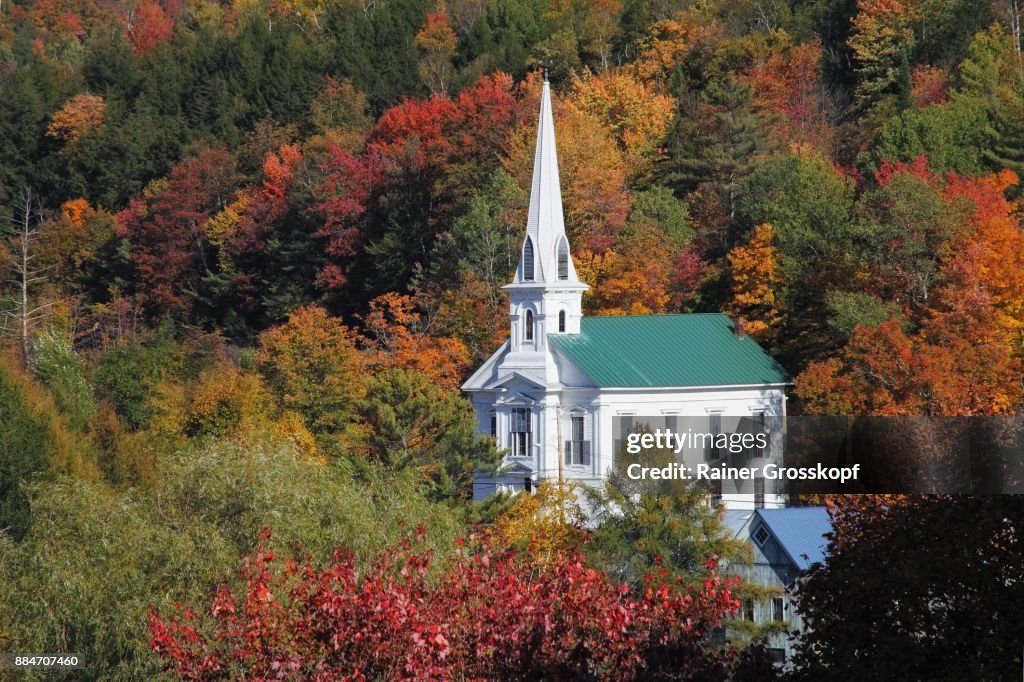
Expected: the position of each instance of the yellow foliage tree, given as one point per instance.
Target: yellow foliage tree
(545, 524)
(756, 276)
(312, 366)
(666, 42)
(436, 42)
(629, 109)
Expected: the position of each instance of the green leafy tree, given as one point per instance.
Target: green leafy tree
(851, 309)
(658, 206)
(127, 373)
(58, 367)
(412, 424)
(955, 136)
(35, 443)
(104, 557)
(810, 206)
(905, 225)
(716, 148)
(643, 525)
(993, 78)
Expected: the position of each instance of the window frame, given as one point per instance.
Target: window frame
(521, 432)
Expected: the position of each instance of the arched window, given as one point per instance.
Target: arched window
(529, 325)
(563, 259)
(561, 320)
(528, 260)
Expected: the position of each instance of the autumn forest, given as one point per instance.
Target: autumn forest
(250, 249)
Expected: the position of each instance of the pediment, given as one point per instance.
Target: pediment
(511, 380)
(515, 468)
(518, 398)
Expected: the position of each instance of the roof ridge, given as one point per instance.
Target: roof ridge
(619, 317)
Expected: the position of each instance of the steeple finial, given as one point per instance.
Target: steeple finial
(545, 74)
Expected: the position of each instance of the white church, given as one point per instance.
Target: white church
(563, 392)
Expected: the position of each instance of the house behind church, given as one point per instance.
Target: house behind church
(785, 543)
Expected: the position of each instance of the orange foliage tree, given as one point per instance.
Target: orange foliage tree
(395, 335)
(632, 279)
(994, 235)
(964, 358)
(80, 115)
(756, 276)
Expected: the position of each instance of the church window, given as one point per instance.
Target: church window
(563, 259)
(714, 430)
(521, 419)
(577, 448)
(561, 320)
(529, 325)
(528, 260)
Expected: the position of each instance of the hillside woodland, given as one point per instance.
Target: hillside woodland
(251, 248)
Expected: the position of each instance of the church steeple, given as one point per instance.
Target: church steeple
(545, 295)
(545, 225)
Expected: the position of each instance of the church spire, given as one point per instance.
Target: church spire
(545, 226)
(546, 295)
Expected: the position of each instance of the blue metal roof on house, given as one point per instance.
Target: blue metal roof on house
(698, 349)
(800, 531)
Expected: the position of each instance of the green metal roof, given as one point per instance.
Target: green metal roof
(667, 350)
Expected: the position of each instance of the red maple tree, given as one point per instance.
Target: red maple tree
(489, 614)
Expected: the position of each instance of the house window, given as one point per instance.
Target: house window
(748, 610)
(529, 325)
(759, 492)
(494, 426)
(760, 536)
(776, 655)
(577, 448)
(714, 429)
(520, 432)
(777, 610)
(561, 320)
(563, 260)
